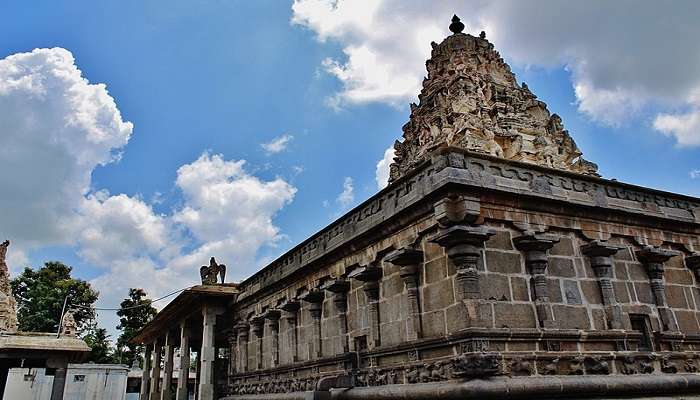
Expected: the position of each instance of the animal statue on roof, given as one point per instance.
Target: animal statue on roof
(209, 273)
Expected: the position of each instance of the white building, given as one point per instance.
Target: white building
(83, 382)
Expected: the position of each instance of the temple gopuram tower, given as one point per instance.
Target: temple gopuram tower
(497, 264)
(471, 100)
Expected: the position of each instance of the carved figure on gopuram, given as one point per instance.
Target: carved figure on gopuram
(8, 305)
(471, 100)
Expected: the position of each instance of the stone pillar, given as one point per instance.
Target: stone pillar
(339, 288)
(463, 245)
(291, 309)
(243, 329)
(258, 324)
(315, 299)
(536, 247)
(232, 352)
(184, 372)
(654, 259)
(693, 263)
(371, 275)
(166, 391)
(146, 374)
(207, 354)
(409, 260)
(155, 371)
(59, 382)
(600, 255)
(273, 326)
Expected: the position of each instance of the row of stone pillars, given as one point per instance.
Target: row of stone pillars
(464, 246)
(152, 388)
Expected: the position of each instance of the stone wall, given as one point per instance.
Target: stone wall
(556, 281)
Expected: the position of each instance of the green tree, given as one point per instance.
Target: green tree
(40, 294)
(134, 312)
(98, 341)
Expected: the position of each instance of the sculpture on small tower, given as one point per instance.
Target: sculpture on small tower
(209, 273)
(8, 305)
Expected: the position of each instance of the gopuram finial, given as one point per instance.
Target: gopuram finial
(456, 26)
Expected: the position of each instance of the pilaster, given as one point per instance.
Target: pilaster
(536, 248)
(315, 299)
(340, 287)
(409, 260)
(600, 255)
(654, 259)
(370, 274)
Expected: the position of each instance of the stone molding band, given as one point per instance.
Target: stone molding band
(570, 387)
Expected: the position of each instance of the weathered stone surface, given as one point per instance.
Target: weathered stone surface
(563, 267)
(499, 261)
(572, 292)
(438, 295)
(521, 291)
(514, 315)
(501, 240)
(8, 304)
(569, 317)
(470, 99)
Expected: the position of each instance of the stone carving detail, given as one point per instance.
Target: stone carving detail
(8, 305)
(596, 366)
(68, 325)
(477, 365)
(209, 274)
(629, 366)
(471, 100)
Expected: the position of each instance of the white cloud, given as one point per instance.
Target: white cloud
(56, 129)
(622, 55)
(694, 174)
(277, 144)
(347, 196)
(381, 174)
(685, 127)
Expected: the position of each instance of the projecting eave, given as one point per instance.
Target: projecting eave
(457, 169)
(190, 301)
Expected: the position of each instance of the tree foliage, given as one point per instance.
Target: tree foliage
(98, 341)
(40, 295)
(135, 312)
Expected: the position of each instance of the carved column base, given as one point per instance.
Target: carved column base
(668, 320)
(545, 317)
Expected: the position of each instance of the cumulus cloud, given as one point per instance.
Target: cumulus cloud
(622, 56)
(277, 144)
(381, 174)
(685, 127)
(57, 128)
(347, 196)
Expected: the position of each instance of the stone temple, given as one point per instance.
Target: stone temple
(496, 264)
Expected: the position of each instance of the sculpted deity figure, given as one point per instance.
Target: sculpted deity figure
(209, 273)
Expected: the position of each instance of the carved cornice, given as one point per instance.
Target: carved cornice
(456, 168)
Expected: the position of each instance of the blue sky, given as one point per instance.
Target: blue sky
(206, 83)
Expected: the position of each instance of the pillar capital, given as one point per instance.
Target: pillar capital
(241, 328)
(654, 258)
(531, 242)
(258, 324)
(366, 273)
(313, 296)
(337, 286)
(272, 315)
(405, 256)
(652, 254)
(600, 254)
(463, 239)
